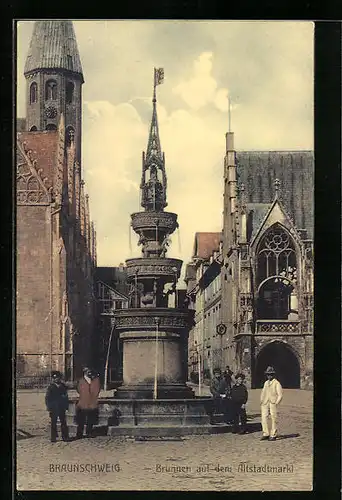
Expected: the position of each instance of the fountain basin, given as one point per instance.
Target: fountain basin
(166, 221)
(163, 417)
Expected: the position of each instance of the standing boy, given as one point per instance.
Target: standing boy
(239, 395)
(271, 395)
(88, 388)
(57, 403)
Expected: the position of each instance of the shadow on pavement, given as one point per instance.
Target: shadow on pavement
(256, 427)
(23, 435)
(251, 416)
(286, 436)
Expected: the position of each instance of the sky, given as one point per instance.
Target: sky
(265, 67)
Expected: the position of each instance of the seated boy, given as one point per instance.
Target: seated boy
(239, 397)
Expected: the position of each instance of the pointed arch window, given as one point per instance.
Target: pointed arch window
(276, 255)
(33, 93)
(51, 90)
(69, 92)
(277, 275)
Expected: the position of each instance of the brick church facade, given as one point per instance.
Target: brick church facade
(252, 285)
(56, 239)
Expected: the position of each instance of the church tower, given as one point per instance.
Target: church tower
(229, 271)
(54, 78)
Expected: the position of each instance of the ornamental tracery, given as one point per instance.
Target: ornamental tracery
(277, 275)
(276, 255)
(32, 187)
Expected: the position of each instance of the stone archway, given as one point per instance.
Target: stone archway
(285, 362)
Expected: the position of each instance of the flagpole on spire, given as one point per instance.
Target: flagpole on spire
(154, 86)
(157, 80)
(229, 114)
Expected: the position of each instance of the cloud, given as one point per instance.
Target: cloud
(268, 69)
(201, 88)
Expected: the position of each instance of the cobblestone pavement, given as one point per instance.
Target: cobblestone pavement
(204, 462)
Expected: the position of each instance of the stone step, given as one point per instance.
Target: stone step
(165, 430)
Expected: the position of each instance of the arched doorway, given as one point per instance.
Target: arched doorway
(285, 362)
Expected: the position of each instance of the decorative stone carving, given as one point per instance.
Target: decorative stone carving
(32, 187)
(278, 327)
(59, 173)
(149, 220)
(125, 321)
(158, 267)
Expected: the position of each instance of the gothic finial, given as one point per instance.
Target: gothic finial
(277, 187)
(153, 187)
(243, 195)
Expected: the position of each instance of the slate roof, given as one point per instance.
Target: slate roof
(257, 170)
(205, 244)
(53, 46)
(256, 212)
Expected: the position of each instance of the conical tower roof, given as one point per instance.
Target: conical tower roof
(53, 46)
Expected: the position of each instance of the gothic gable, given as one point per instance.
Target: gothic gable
(32, 187)
(275, 214)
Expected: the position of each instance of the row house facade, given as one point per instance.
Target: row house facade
(265, 264)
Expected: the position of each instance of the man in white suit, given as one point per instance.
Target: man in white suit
(271, 395)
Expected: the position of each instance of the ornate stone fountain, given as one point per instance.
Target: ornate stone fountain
(154, 335)
(154, 398)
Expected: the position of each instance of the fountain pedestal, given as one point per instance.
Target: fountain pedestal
(154, 342)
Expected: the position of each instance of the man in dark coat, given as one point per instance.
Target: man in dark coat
(88, 389)
(239, 395)
(57, 403)
(221, 392)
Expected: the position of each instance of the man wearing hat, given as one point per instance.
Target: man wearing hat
(271, 395)
(57, 403)
(88, 389)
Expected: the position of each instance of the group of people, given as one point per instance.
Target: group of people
(57, 403)
(229, 392)
(230, 396)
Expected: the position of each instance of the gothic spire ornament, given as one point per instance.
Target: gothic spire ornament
(153, 181)
(277, 188)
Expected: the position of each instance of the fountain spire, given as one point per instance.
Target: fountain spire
(150, 320)
(153, 181)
